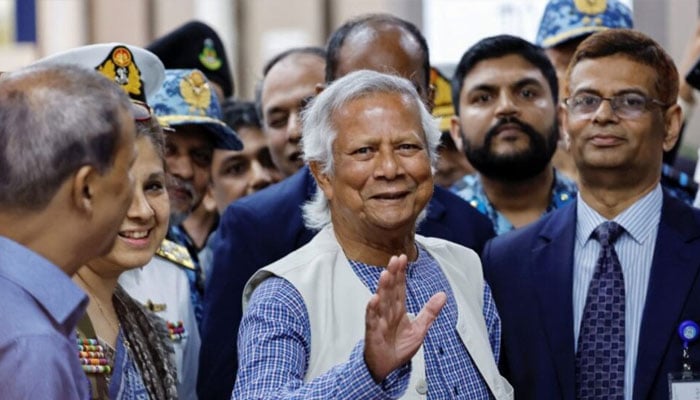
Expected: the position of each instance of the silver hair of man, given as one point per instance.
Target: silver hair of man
(54, 120)
(319, 131)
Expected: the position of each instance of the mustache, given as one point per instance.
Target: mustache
(515, 166)
(175, 183)
(525, 127)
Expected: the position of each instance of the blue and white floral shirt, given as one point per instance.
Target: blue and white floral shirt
(471, 189)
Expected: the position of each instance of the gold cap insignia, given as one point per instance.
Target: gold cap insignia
(196, 92)
(591, 6)
(120, 67)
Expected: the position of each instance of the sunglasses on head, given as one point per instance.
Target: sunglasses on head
(142, 112)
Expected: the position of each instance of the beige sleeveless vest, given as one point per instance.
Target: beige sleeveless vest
(336, 300)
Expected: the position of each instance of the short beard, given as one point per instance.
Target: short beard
(178, 215)
(515, 167)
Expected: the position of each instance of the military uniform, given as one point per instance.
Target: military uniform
(186, 99)
(163, 287)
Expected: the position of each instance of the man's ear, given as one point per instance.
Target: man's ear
(563, 119)
(208, 201)
(83, 188)
(673, 118)
(430, 97)
(321, 179)
(456, 133)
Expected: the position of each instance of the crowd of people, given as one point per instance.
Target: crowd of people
(364, 228)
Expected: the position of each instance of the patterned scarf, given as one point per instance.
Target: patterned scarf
(147, 335)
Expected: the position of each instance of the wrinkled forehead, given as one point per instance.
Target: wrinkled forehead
(391, 99)
(378, 111)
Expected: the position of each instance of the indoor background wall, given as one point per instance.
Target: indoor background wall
(255, 30)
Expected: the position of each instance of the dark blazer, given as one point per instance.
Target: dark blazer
(264, 227)
(531, 275)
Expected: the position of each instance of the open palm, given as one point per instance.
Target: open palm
(391, 337)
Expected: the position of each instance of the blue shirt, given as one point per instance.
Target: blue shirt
(40, 307)
(177, 234)
(471, 189)
(275, 343)
(126, 382)
(678, 184)
(635, 249)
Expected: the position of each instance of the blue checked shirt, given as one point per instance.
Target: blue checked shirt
(470, 189)
(274, 344)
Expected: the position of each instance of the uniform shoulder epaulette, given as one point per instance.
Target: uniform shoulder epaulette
(176, 253)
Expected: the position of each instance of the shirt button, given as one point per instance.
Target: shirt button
(422, 386)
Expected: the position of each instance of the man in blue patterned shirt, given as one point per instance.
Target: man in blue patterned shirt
(368, 309)
(66, 146)
(505, 91)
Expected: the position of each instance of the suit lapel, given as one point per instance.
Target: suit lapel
(433, 224)
(552, 261)
(673, 272)
(436, 209)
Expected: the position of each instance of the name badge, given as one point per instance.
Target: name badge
(685, 384)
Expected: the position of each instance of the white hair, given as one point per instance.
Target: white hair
(319, 131)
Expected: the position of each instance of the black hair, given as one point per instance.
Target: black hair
(237, 114)
(499, 46)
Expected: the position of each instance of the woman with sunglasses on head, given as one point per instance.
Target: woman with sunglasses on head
(163, 287)
(124, 347)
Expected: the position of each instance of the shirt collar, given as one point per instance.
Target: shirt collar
(46, 282)
(365, 271)
(638, 220)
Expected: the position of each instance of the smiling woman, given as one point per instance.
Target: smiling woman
(121, 345)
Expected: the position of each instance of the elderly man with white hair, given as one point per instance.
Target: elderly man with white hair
(368, 309)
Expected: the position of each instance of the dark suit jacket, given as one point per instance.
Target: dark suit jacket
(531, 275)
(264, 227)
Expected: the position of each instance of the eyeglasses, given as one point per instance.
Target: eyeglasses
(142, 112)
(626, 105)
